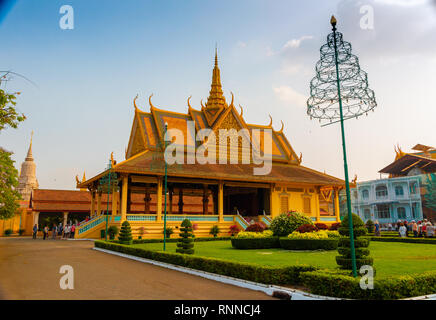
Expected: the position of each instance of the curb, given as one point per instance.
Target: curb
(267, 289)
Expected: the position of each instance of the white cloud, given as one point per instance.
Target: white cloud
(289, 95)
(295, 43)
(242, 44)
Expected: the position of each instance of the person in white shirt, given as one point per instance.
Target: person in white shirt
(402, 230)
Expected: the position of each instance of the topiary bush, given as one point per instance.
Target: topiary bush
(215, 230)
(186, 241)
(321, 226)
(8, 232)
(169, 232)
(255, 227)
(125, 236)
(112, 231)
(307, 228)
(370, 226)
(287, 223)
(360, 244)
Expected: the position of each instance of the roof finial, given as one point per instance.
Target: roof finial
(29, 152)
(216, 55)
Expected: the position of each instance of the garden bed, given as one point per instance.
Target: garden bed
(330, 282)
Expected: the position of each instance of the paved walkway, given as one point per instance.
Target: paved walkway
(29, 269)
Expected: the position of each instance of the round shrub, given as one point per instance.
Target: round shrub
(255, 227)
(370, 226)
(125, 236)
(215, 230)
(185, 244)
(309, 244)
(321, 226)
(112, 231)
(8, 232)
(287, 223)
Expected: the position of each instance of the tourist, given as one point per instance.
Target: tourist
(73, 229)
(60, 229)
(402, 230)
(406, 224)
(45, 232)
(414, 228)
(424, 228)
(430, 230)
(377, 228)
(54, 232)
(35, 231)
(66, 231)
(390, 226)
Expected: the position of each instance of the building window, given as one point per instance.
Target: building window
(367, 214)
(413, 188)
(381, 192)
(284, 204)
(306, 205)
(415, 210)
(399, 192)
(383, 211)
(365, 194)
(401, 212)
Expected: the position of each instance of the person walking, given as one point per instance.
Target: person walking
(402, 230)
(35, 231)
(377, 228)
(45, 231)
(73, 229)
(54, 232)
(415, 228)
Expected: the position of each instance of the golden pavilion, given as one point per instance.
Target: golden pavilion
(206, 193)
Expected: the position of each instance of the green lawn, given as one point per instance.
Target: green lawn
(390, 258)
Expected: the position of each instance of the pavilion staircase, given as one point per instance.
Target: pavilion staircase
(91, 229)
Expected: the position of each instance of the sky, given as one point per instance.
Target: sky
(79, 102)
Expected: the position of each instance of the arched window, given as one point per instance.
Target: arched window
(381, 192)
(413, 187)
(367, 214)
(399, 191)
(401, 212)
(365, 194)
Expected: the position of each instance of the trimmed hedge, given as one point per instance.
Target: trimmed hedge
(256, 243)
(407, 240)
(336, 284)
(246, 271)
(309, 244)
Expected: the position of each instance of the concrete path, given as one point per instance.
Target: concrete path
(29, 269)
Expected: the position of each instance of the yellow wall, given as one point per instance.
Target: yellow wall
(14, 223)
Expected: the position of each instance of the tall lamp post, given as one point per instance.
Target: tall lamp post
(166, 178)
(339, 92)
(108, 181)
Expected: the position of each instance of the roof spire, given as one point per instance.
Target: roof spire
(216, 98)
(29, 152)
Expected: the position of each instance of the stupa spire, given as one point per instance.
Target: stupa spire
(29, 156)
(216, 98)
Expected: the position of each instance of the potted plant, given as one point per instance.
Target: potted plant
(169, 232)
(8, 232)
(234, 230)
(215, 230)
(141, 231)
(21, 231)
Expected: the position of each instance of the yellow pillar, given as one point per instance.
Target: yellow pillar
(159, 200)
(92, 203)
(124, 199)
(317, 206)
(221, 201)
(65, 219)
(98, 203)
(336, 204)
(114, 204)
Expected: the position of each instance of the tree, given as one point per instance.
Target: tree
(9, 117)
(430, 189)
(8, 183)
(185, 244)
(125, 236)
(8, 113)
